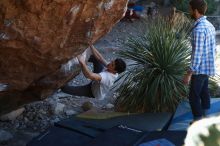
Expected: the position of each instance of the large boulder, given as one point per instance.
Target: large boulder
(38, 38)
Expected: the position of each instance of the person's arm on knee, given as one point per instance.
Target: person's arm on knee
(87, 73)
(98, 55)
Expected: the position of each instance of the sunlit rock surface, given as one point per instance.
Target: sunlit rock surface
(39, 40)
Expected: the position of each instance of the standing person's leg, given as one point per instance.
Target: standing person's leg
(97, 66)
(196, 85)
(205, 97)
(78, 90)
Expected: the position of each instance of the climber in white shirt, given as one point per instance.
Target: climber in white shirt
(103, 76)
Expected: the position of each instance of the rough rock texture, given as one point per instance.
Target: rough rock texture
(39, 37)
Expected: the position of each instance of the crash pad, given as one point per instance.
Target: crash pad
(142, 121)
(183, 115)
(56, 136)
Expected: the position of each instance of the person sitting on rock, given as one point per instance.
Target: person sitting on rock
(103, 76)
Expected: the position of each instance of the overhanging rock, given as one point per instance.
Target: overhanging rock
(37, 39)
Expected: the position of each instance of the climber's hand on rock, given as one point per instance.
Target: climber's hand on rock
(81, 59)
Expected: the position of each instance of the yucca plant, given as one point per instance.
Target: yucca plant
(157, 62)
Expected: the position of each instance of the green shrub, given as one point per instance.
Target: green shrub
(159, 60)
(204, 132)
(213, 138)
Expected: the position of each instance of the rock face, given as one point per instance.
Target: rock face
(38, 38)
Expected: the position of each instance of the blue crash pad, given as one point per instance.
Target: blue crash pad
(174, 137)
(56, 136)
(120, 135)
(80, 131)
(144, 121)
(183, 115)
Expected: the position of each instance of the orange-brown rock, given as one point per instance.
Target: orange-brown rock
(37, 39)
